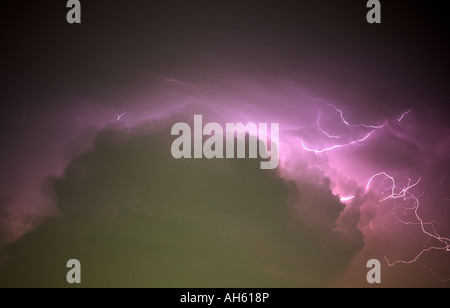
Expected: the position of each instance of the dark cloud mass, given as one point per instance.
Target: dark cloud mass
(135, 216)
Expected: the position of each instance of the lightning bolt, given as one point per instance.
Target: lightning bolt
(404, 115)
(317, 151)
(119, 116)
(406, 193)
(344, 121)
(391, 189)
(346, 199)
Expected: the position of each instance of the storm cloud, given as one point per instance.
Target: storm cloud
(135, 216)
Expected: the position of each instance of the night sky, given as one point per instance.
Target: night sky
(87, 172)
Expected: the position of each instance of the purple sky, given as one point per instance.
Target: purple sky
(352, 100)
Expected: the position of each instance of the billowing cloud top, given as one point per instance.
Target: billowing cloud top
(135, 216)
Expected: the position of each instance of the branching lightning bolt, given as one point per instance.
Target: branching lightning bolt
(391, 191)
(353, 141)
(428, 228)
(317, 151)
